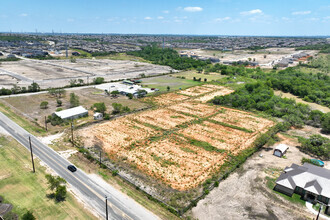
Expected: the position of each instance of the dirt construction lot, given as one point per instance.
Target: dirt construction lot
(57, 73)
(245, 195)
(180, 144)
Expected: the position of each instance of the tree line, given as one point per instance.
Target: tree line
(169, 57)
(260, 96)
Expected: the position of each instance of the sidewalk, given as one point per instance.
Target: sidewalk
(310, 208)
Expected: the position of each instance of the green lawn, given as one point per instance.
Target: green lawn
(161, 83)
(295, 197)
(27, 191)
(192, 73)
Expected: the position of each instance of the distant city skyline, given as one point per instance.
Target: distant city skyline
(180, 17)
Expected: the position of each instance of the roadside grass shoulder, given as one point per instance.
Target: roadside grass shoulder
(24, 123)
(27, 191)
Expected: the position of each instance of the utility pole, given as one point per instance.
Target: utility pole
(72, 133)
(318, 214)
(31, 154)
(106, 208)
(46, 123)
(100, 158)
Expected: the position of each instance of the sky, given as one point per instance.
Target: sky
(191, 17)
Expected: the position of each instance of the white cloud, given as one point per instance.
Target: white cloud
(147, 18)
(251, 12)
(70, 20)
(313, 19)
(166, 11)
(160, 17)
(301, 12)
(23, 15)
(222, 19)
(193, 9)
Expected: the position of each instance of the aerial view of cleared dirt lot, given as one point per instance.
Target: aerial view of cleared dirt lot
(263, 56)
(56, 73)
(182, 144)
(246, 193)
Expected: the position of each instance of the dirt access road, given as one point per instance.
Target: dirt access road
(244, 194)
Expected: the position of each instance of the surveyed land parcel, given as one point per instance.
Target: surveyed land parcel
(183, 141)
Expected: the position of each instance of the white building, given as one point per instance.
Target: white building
(72, 113)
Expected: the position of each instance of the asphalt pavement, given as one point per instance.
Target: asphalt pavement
(120, 206)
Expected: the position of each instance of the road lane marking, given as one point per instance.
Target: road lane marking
(42, 152)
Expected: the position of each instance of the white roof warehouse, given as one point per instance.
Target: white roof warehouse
(72, 113)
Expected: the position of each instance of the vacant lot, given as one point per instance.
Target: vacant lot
(58, 73)
(182, 144)
(193, 73)
(162, 82)
(27, 190)
(196, 91)
(248, 194)
(29, 106)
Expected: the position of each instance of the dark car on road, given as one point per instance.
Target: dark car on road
(72, 168)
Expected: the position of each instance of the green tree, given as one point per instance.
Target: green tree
(114, 94)
(98, 80)
(100, 107)
(130, 95)
(57, 184)
(326, 123)
(59, 102)
(74, 100)
(28, 216)
(34, 87)
(44, 105)
(116, 108)
(168, 88)
(60, 193)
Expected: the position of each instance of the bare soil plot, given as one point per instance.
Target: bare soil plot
(162, 118)
(195, 108)
(168, 99)
(222, 92)
(116, 135)
(196, 91)
(38, 71)
(249, 183)
(243, 120)
(170, 161)
(112, 67)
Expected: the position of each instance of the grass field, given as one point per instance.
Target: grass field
(161, 83)
(27, 125)
(30, 105)
(27, 191)
(314, 106)
(192, 73)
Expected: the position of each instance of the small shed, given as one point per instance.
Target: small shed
(98, 116)
(72, 113)
(280, 150)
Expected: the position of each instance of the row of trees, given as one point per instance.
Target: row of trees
(317, 145)
(168, 57)
(34, 87)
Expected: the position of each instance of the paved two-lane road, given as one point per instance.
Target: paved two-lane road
(120, 206)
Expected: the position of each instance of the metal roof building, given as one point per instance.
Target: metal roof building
(72, 113)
